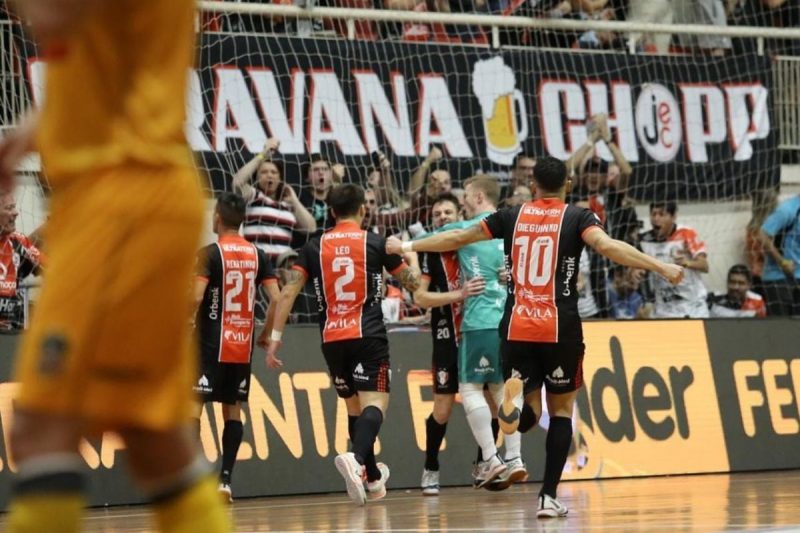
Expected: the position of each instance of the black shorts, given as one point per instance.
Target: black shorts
(223, 382)
(358, 365)
(445, 367)
(558, 366)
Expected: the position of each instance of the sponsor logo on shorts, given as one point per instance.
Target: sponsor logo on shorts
(484, 366)
(557, 377)
(340, 384)
(243, 386)
(358, 373)
(203, 385)
(517, 374)
(442, 323)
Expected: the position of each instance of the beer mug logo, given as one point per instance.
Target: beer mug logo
(494, 83)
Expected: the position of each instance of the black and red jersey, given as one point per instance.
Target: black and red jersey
(444, 273)
(543, 244)
(234, 269)
(19, 258)
(345, 266)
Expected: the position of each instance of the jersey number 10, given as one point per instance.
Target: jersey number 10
(534, 260)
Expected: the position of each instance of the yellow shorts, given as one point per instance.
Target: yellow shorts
(110, 339)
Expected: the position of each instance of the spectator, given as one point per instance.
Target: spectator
(426, 184)
(681, 245)
(709, 12)
(599, 186)
(651, 11)
(780, 237)
(602, 40)
(19, 258)
(624, 299)
(521, 174)
(764, 202)
(766, 14)
(274, 213)
(739, 301)
(522, 194)
(321, 176)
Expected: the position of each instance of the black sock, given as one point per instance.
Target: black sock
(231, 439)
(527, 419)
(364, 433)
(373, 473)
(434, 434)
(559, 439)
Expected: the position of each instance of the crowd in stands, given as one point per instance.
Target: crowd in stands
(766, 284)
(763, 13)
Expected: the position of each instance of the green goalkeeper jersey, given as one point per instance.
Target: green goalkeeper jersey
(485, 259)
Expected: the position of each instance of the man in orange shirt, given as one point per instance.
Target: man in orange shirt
(739, 301)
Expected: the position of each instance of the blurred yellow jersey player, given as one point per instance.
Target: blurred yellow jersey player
(109, 347)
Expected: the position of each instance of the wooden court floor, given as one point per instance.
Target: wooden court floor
(767, 501)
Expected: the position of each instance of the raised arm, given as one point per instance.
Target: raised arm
(420, 175)
(625, 254)
(241, 180)
(445, 241)
(297, 280)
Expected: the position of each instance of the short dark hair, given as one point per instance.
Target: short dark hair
(447, 197)
(487, 185)
(345, 200)
(740, 270)
(278, 164)
(596, 166)
(550, 174)
(231, 208)
(670, 207)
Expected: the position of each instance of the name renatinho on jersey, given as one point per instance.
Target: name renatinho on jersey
(538, 211)
(537, 228)
(213, 308)
(569, 266)
(238, 264)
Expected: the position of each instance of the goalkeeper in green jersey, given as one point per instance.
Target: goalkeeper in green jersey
(479, 361)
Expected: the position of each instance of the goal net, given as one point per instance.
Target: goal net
(420, 108)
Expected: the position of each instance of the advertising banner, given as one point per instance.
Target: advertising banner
(692, 127)
(660, 398)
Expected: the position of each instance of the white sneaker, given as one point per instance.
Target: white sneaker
(550, 507)
(508, 414)
(225, 492)
(489, 470)
(377, 489)
(430, 482)
(516, 473)
(353, 474)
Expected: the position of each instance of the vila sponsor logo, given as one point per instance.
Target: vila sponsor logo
(237, 336)
(341, 323)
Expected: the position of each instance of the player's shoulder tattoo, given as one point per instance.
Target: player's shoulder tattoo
(295, 276)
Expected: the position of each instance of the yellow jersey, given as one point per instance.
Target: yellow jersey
(115, 92)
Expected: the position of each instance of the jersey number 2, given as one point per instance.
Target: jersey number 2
(534, 260)
(344, 264)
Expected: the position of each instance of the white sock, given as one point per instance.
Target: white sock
(479, 417)
(513, 444)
